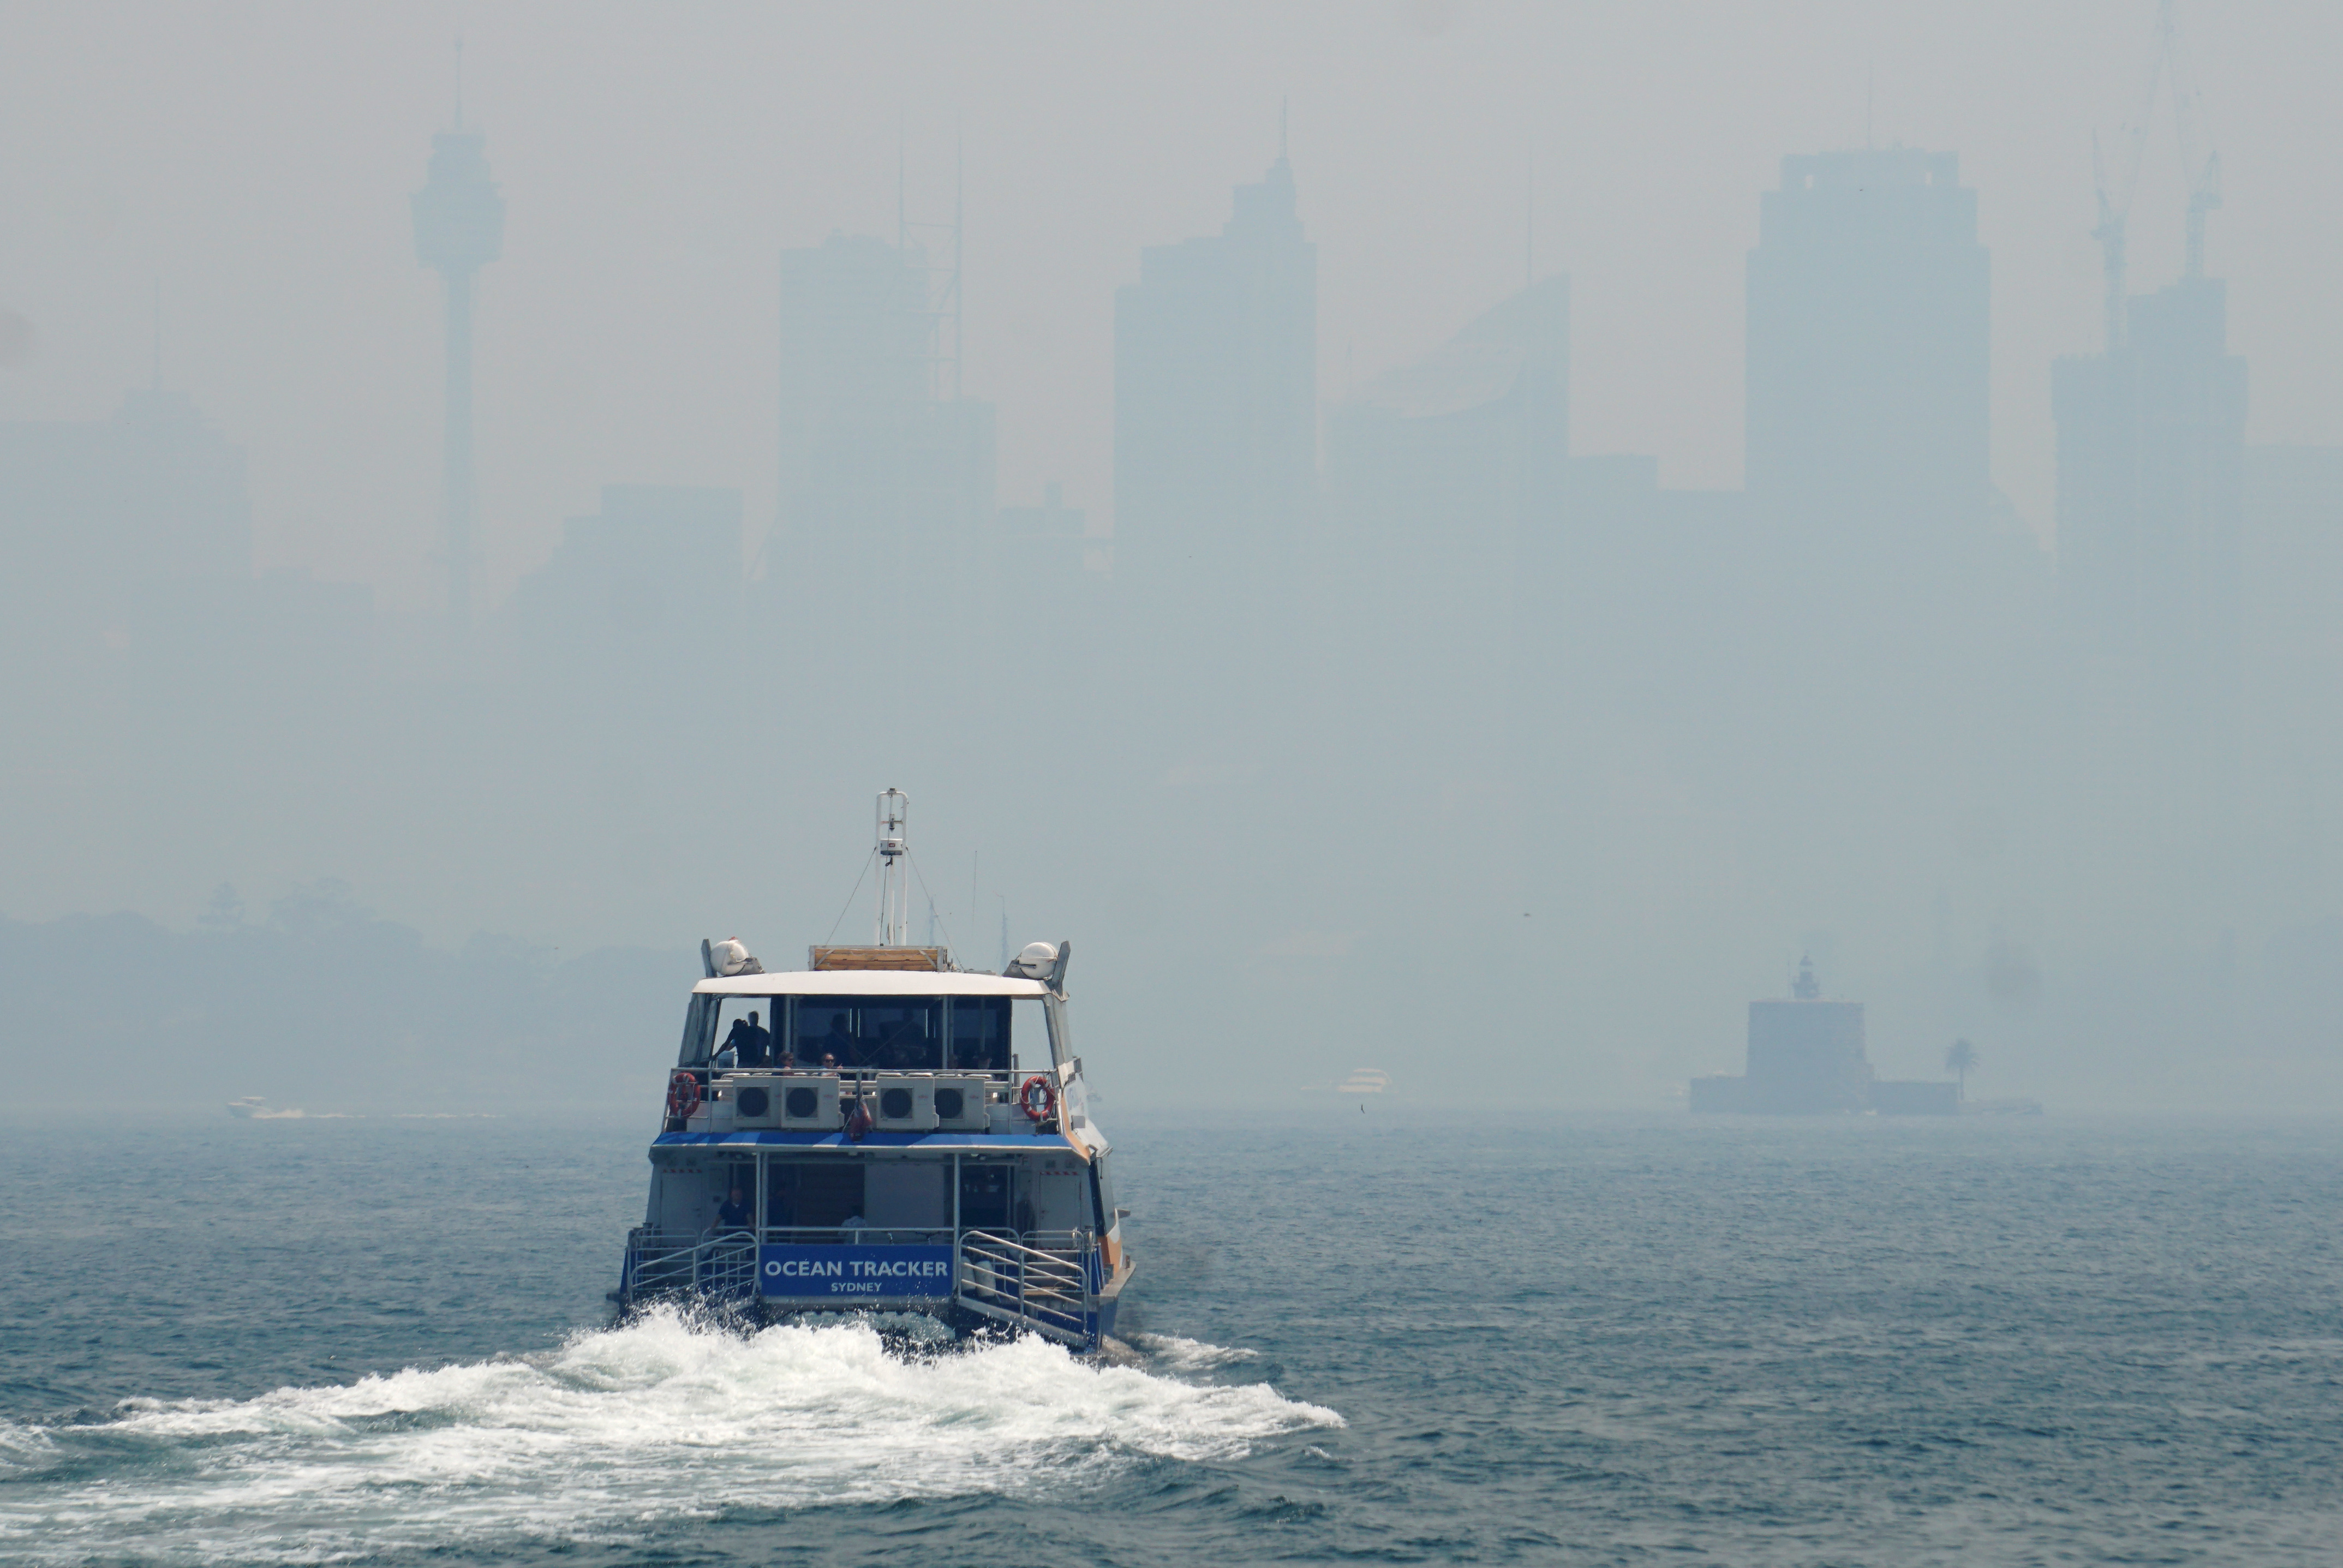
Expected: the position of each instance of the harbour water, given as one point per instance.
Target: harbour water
(1590, 1341)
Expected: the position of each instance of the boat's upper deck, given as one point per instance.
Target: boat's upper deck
(877, 1039)
(860, 1021)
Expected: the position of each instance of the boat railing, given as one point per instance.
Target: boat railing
(850, 1077)
(1047, 1282)
(718, 1266)
(1047, 1278)
(857, 1235)
(1051, 1288)
(1069, 1243)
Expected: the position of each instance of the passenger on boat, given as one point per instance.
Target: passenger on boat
(852, 1226)
(735, 1212)
(750, 1043)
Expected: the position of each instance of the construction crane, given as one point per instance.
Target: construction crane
(2203, 178)
(2110, 235)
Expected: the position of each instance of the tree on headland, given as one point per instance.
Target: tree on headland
(1961, 1057)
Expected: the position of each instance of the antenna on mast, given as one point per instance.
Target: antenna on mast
(894, 923)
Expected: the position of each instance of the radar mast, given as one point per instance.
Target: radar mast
(894, 921)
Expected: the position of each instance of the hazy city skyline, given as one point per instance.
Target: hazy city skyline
(1288, 522)
(613, 286)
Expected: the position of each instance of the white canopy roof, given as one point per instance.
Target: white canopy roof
(869, 983)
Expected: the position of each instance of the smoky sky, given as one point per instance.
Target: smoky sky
(251, 165)
(1423, 744)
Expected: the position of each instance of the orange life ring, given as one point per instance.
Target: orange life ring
(682, 1093)
(1046, 1095)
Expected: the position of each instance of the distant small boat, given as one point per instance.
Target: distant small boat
(253, 1106)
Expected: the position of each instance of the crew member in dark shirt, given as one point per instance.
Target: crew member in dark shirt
(735, 1213)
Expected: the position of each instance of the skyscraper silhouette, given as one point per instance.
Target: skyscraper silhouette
(885, 473)
(2151, 453)
(1867, 333)
(1215, 423)
(2151, 470)
(639, 605)
(459, 226)
(1437, 475)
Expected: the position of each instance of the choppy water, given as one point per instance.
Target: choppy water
(1594, 1341)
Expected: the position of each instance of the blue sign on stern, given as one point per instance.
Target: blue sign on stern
(863, 1273)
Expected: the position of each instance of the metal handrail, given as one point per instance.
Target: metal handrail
(653, 1248)
(860, 1235)
(852, 1075)
(720, 1265)
(1047, 1289)
(1057, 1243)
(1050, 1288)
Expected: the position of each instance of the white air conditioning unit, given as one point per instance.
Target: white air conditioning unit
(756, 1100)
(903, 1101)
(960, 1102)
(808, 1099)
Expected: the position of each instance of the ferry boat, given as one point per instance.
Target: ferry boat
(883, 1130)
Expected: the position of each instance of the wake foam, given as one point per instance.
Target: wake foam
(617, 1430)
(1174, 1354)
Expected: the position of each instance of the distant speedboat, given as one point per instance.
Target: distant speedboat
(248, 1106)
(884, 1130)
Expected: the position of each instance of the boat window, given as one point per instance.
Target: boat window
(984, 1196)
(980, 1033)
(993, 1033)
(744, 1032)
(1103, 1193)
(1029, 1035)
(904, 1033)
(698, 1032)
(815, 1194)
